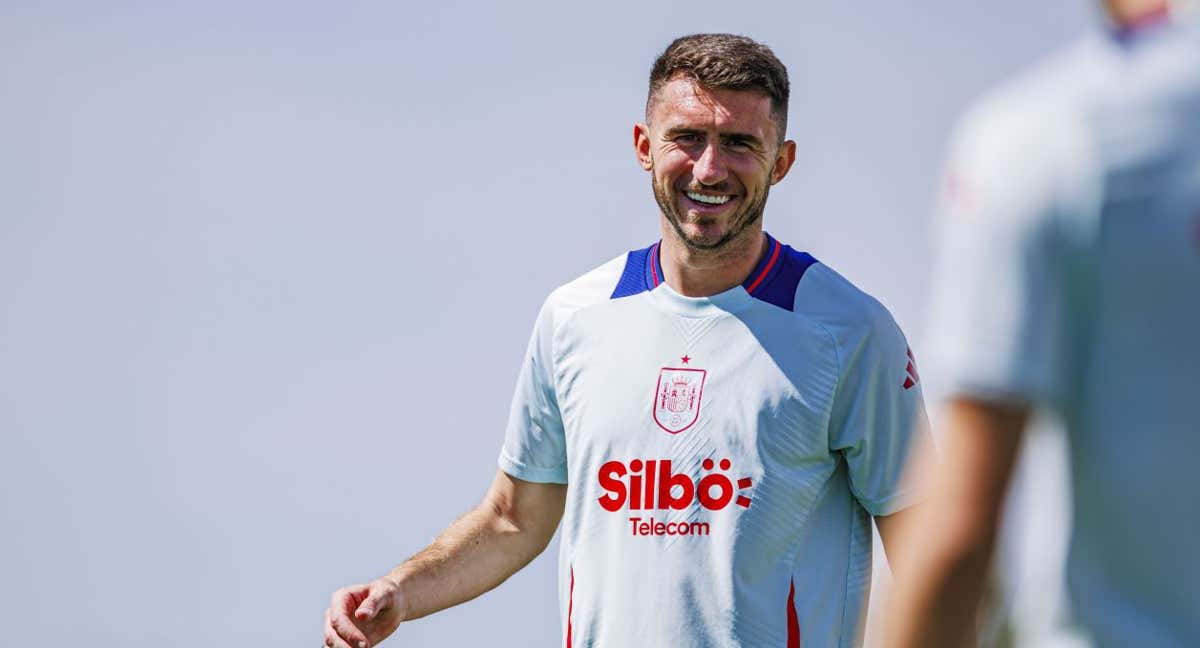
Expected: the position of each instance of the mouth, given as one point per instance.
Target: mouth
(707, 202)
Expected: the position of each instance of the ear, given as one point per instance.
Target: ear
(641, 145)
(784, 159)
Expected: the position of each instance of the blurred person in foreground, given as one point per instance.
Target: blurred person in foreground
(1070, 278)
(716, 417)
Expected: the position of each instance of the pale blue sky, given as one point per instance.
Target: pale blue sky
(267, 272)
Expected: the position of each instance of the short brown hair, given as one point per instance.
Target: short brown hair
(724, 61)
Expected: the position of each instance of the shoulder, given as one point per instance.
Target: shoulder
(606, 282)
(592, 287)
(843, 308)
(1034, 100)
(1025, 134)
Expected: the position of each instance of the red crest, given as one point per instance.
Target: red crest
(677, 398)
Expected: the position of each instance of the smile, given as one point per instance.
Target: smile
(708, 200)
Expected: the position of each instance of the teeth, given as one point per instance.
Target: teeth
(708, 200)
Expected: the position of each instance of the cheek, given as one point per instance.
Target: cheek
(753, 175)
(670, 166)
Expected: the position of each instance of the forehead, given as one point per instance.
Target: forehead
(683, 103)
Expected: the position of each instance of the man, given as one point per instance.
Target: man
(1071, 279)
(726, 411)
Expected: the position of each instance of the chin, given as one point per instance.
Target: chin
(704, 241)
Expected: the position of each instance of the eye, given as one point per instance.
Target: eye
(687, 138)
(738, 144)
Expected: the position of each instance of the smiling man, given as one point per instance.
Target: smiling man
(715, 418)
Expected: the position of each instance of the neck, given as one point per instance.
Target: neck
(703, 273)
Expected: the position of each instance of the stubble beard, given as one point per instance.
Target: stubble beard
(749, 214)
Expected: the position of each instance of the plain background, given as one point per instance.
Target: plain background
(267, 272)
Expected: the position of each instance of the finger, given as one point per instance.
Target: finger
(346, 600)
(332, 640)
(376, 601)
(346, 631)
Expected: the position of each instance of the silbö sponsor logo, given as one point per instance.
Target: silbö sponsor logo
(648, 485)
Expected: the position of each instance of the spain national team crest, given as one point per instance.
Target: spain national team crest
(677, 398)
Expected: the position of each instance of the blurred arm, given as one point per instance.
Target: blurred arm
(946, 548)
(509, 528)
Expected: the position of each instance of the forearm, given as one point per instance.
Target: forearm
(473, 555)
(480, 550)
(946, 549)
(935, 600)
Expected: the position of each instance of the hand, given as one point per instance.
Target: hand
(361, 616)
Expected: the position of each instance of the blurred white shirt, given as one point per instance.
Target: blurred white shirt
(1070, 277)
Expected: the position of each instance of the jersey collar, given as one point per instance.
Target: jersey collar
(758, 279)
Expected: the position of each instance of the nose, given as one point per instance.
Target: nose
(709, 168)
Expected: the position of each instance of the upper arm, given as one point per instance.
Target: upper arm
(531, 507)
(892, 526)
(964, 481)
(535, 447)
(878, 413)
(979, 448)
(1015, 201)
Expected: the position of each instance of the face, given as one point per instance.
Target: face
(713, 155)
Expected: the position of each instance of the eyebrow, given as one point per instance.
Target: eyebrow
(745, 137)
(742, 137)
(679, 130)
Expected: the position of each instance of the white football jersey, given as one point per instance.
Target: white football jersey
(1070, 277)
(723, 454)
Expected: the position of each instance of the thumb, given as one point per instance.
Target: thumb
(377, 601)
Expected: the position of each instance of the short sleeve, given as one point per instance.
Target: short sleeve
(997, 319)
(534, 444)
(878, 412)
